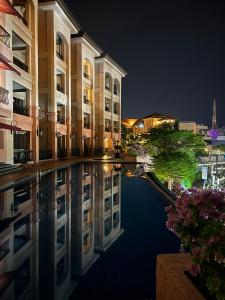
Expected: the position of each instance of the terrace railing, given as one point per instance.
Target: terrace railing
(4, 96)
(4, 36)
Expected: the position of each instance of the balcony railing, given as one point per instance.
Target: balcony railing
(86, 75)
(116, 130)
(4, 96)
(61, 119)
(4, 36)
(59, 55)
(19, 109)
(22, 156)
(20, 64)
(60, 88)
(107, 88)
(107, 108)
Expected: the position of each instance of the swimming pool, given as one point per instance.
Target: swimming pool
(87, 231)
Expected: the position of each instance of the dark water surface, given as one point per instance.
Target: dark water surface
(82, 232)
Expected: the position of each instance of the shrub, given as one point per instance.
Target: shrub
(198, 219)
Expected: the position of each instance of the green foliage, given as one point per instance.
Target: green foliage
(174, 153)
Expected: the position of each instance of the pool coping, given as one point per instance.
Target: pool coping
(31, 170)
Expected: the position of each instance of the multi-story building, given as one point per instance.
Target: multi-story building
(84, 51)
(60, 95)
(55, 29)
(18, 82)
(108, 102)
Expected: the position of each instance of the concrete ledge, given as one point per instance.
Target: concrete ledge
(171, 282)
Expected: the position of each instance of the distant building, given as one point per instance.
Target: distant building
(128, 123)
(188, 125)
(152, 120)
(194, 127)
(202, 129)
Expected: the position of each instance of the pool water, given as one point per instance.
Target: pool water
(86, 231)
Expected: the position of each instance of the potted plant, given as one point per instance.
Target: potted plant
(198, 219)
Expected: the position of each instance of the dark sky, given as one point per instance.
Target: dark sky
(173, 51)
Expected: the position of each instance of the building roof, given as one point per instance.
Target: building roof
(82, 34)
(66, 10)
(112, 61)
(157, 115)
(129, 122)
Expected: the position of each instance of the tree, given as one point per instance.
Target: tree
(174, 153)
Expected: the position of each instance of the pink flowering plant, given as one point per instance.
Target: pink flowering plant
(198, 219)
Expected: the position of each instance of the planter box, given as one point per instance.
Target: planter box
(171, 282)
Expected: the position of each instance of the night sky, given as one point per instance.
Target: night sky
(173, 51)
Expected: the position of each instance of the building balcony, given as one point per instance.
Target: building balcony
(60, 88)
(61, 119)
(4, 96)
(107, 109)
(107, 88)
(87, 76)
(108, 129)
(4, 37)
(86, 100)
(59, 55)
(20, 64)
(22, 156)
(19, 109)
(87, 125)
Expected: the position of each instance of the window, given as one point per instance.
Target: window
(107, 204)
(61, 206)
(116, 87)
(108, 183)
(107, 104)
(107, 226)
(86, 192)
(107, 125)
(115, 219)
(60, 79)
(61, 236)
(59, 47)
(116, 108)
(108, 82)
(86, 120)
(115, 199)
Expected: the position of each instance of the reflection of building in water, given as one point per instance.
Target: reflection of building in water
(54, 244)
(82, 219)
(46, 241)
(18, 252)
(107, 206)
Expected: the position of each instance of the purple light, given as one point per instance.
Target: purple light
(213, 133)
